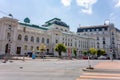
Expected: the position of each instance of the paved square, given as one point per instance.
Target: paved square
(49, 69)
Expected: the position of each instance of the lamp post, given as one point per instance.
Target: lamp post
(24, 30)
(9, 41)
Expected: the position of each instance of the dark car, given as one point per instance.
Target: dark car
(29, 54)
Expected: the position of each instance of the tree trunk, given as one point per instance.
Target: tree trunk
(60, 55)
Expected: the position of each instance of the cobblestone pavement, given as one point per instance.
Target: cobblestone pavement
(109, 70)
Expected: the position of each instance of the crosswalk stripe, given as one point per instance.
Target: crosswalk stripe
(88, 76)
(102, 74)
(99, 77)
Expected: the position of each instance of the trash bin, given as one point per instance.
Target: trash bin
(33, 56)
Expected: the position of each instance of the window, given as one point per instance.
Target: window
(25, 47)
(37, 47)
(56, 41)
(88, 30)
(43, 40)
(92, 30)
(97, 29)
(19, 37)
(97, 38)
(26, 38)
(103, 42)
(37, 40)
(103, 29)
(62, 29)
(31, 48)
(71, 44)
(32, 39)
(103, 38)
(98, 45)
(9, 27)
(47, 41)
(112, 33)
(8, 35)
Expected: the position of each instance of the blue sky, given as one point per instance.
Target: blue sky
(73, 12)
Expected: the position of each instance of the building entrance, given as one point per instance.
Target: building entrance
(18, 50)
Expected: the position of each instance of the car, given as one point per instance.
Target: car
(84, 57)
(102, 57)
(29, 54)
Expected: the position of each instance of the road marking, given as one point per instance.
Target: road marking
(88, 76)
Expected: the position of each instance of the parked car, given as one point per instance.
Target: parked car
(84, 57)
(102, 57)
(29, 54)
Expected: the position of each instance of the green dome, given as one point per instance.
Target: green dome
(27, 20)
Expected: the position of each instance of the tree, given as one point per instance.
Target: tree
(60, 48)
(100, 52)
(42, 48)
(85, 52)
(75, 52)
(92, 51)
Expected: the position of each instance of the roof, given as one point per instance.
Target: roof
(97, 26)
(56, 21)
(82, 29)
(33, 25)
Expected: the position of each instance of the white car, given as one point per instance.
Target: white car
(102, 57)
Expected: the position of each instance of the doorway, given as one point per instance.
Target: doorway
(6, 49)
(18, 50)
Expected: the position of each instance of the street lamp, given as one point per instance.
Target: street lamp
(9, 41)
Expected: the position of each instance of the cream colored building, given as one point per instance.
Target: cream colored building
(107, 37)
(24, 37)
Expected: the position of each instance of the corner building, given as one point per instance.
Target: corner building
(107, 37)
(26, 37)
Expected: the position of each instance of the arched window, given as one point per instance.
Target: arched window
(43, 40)
(26, 38)
(32, 39)
(37, 40)
(19, 37)
(47, 41)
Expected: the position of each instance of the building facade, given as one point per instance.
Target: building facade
(18, 38)
(107, 37)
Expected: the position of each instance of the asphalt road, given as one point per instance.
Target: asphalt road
(49, 69)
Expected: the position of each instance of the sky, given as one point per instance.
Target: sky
(75, 13)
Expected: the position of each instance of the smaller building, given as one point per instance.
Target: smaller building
(107, 37)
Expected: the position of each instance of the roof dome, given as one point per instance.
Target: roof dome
(56, 21)
(27, 20)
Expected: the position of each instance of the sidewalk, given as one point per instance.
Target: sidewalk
(108, 70)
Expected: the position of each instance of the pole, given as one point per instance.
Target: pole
(9, 41)
(24, 30)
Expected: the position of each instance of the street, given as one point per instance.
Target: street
(49, 69)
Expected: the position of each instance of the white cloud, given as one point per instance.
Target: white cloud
(117, 4)
(113, 17)
(87, 5)
(66, 2)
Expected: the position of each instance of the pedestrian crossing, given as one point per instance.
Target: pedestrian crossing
(99, 76)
